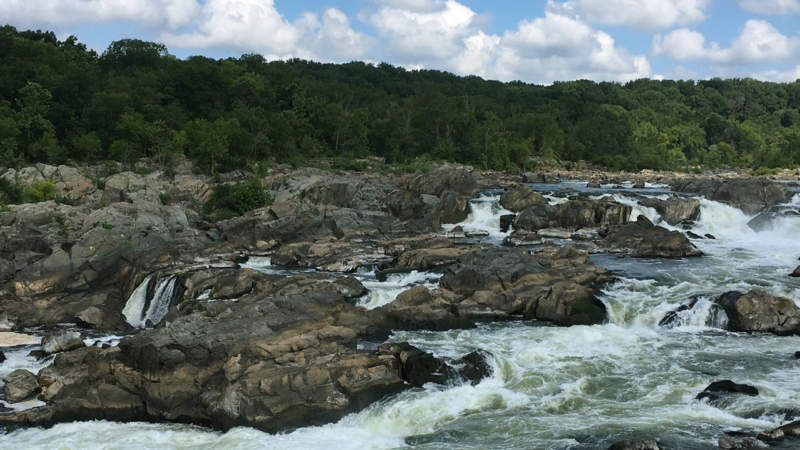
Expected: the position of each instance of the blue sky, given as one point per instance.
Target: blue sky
(535, 41)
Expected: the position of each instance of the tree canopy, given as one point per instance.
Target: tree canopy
(61, 102)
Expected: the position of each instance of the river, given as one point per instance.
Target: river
(579, 387)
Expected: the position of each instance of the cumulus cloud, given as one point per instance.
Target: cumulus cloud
(557, 47)
(641, 15)
(758, 42)
(448, 35)
(256, 25)
(156, 13)
(787, 76)
(771, 6)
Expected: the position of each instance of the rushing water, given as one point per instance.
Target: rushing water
(560, 387)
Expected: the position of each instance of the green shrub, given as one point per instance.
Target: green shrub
(231, 200)
(349, 164)
(40, 191)
(10, 192)
(164, 198)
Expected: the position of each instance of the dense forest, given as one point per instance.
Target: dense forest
(61, 102)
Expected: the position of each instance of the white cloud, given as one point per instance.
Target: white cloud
(779, 76)
(418, 33)
(171, 14)
(758, 42)
(446, 34)
(681, 44)
(641, 15)
(256, 25)
(557, 47)
(771, 6)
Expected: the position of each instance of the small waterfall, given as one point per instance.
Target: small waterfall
(162, 298)
(484, 217)
(136, 302)
(156, 306)
(637, 209)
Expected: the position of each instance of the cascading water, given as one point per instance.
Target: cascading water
(484, 218)
(384, 292)
(134, 307)
(158, 306)
(579, 387)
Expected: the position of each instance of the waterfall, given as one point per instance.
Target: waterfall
(136, 302)
(484, 217)
(157, 306)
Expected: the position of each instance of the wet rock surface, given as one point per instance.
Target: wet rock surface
(635, 445)
(718, 389)
(645, 240)
(20, 385)
(758, 311)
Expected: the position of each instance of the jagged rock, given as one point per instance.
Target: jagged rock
(424, 259)
(520, 198)
(473, 367)
(796, 272)
(534, 218)
(20, 385)
(635, 445)
(758, 311)
(731, 443)
(719, 388)
(2, 357)
(269, 361)
(644, 240)
(751, 195)
(789, 430)
(61, 341)
(499, 283)
(452, 208)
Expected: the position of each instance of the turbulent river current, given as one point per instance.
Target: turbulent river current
(576, 387)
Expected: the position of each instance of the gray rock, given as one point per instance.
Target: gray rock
(731, 443)
(61, 341)
(758, 311)
(20, 385)
(635, 445)
(521, 197)
(644, 240)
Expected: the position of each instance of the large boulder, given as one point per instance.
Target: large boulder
(573, 215)
(20, 385)
(61, 341)
(751, 194)
(500, 283)
(521, 197)
(759, 311)
(642, 239)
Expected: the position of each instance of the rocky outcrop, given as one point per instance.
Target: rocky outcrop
(501, 283)
(20, 385)
(273, 359)
(642, 239)
(751, 195)
(674, 210)
(573, 214)
(520, 198)
(761, 312)
(783, 432)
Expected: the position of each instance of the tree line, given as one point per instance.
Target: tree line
(61, 102)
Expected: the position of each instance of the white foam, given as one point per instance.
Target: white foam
(484, 217)
(384, 292)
